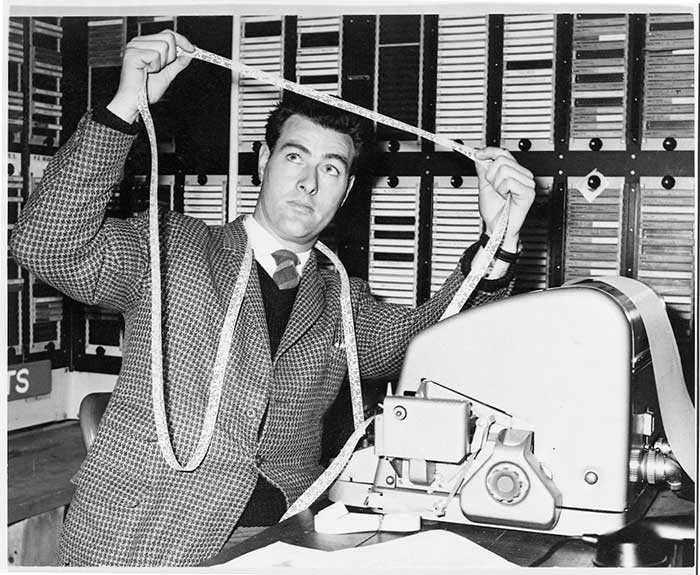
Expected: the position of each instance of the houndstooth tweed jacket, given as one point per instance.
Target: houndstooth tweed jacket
(129, 507)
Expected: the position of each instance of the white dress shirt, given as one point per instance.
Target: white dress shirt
(264, 243)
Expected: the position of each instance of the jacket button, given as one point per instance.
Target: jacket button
(250, 412)
(259, 460)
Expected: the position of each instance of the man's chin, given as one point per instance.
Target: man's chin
(299, 237)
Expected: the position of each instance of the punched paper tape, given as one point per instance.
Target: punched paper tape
(225, 339)
(469, 284)
(677, 411)
(257, 74)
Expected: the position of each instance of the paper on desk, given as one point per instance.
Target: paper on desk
(434, 549)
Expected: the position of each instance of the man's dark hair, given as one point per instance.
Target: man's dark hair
(321, 114)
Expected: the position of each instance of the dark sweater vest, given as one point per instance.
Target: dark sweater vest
(267, 504)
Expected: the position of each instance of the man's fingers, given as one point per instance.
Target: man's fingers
(165, 44)
(503, 172)
(507, 177)
(171, 49)
(491, 153)
(149, 60)
(146, 55)
(522, 194)
(495, 160)
(176, 41)
(505, 166)
(182, 42)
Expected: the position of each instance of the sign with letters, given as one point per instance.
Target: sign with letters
(29, 379)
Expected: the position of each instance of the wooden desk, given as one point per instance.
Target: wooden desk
(519, 547)
(40, 463)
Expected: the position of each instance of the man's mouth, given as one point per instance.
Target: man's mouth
(301, 207)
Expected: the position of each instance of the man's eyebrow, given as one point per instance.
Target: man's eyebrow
(329, 155)
(293, 144)
(342, 159)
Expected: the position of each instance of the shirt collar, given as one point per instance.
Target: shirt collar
(264, 243)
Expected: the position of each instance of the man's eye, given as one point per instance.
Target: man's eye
(331, 170)
(294, 157)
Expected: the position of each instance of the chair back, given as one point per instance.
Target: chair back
(92, 407)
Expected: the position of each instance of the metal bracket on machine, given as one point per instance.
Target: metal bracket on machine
(508, 486)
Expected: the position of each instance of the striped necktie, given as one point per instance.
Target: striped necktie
(286, 275)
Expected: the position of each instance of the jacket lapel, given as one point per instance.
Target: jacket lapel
(308, 305)
(235, 238)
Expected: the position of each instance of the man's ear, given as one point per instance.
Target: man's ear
(263, 157)
(351, 181)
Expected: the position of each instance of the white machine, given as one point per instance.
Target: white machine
(539, 412)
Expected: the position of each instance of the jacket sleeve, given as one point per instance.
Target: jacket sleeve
(383, 330)
(62, 235)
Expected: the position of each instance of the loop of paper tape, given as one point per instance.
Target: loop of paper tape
(469, 284)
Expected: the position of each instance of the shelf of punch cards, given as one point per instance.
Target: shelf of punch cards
(669, 91)
(666, 246)
(393, 242)
(46, 69)
(15, 88)
(46, 316)
(15, 281)
(104, 332)
(593, 233)
(319, 53)
(534, 260)
(599, 80)
(261, 46)
(528, 80)
(205, 198)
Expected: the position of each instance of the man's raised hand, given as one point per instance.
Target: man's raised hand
(155, 55)
(500, 176)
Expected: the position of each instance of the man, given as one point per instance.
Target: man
(287, 361)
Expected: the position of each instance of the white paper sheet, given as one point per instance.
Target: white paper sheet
(428, 550)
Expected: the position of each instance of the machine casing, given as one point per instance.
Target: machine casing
(571, 365)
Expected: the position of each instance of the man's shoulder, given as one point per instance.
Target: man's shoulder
(178, 226)
(332, 279)
(172, 219)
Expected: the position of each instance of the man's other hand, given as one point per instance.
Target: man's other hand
(155, 55)
(499, 175)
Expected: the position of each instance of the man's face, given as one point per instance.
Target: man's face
(305, 179)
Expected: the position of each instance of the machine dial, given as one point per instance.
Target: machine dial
(507, 483)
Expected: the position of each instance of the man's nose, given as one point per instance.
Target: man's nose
(308, 182)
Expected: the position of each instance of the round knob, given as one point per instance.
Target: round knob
(594, 182)
(10, 168)
(255, 180)
(50, 347)
(394, 146)
(524, 145)
(456, 181)
(595, 144)
(668, 182)
(48, 141)
(100, 351)
(202, 179)
(591, 477)
(669, 144)
(256, 146)
(507, 483)
(393, 181)
(400, 412)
